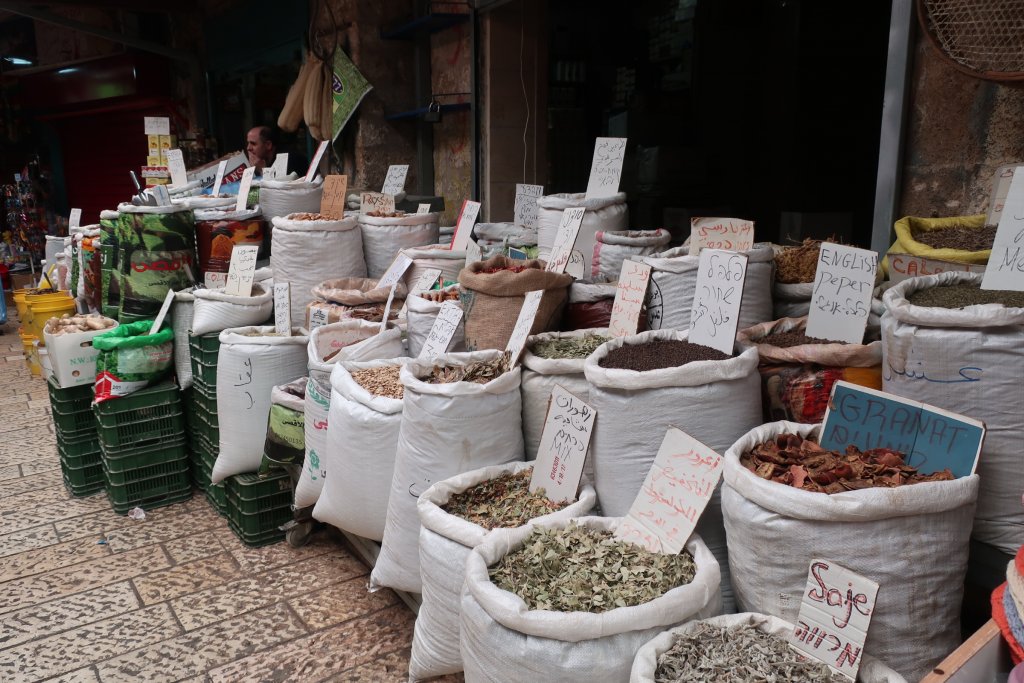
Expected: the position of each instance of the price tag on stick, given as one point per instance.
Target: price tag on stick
(395, 180)
(464, 226)
(422, 209)
(563, 446)
(526, 208)
(473, 253)
(395, 271)
(387, 309)
(835, 613)
(374, 202)
(565, 239)
(75, 219)
(423, 283)
(283, 308)
(241, 269)
(442, 331)
(176, 165)
(1006, 264)
(527, 314)
(715, 315)
(731, 234)
(678, 487)
(314, 165)
(243, 188)
(841, 298)
(159, 320)
(332, 201)
(280, 165)
(629, 298)
(218, 179)
(606, 168)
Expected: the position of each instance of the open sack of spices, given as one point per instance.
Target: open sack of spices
(422, 312)
(492, 296)
(540, 592)
(590, 305)
(950, 344)
(797, 371)
(363, 421)
(643, 384)
(603, 214)
(456, 515)
(882, 520)
(215, 310)
(384, 236)
(739, 648)
(461, 412)
(354, 297)
(439, 256)
(961, 239)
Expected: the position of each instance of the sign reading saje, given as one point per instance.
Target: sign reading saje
(563, 446)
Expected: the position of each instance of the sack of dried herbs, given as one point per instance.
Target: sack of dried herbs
(350, 340)
(421, 314)
(576, 646)
(911, 540)
(737, 648)
(446, 429)
(362, 440)
(714, 401)
(446, 539)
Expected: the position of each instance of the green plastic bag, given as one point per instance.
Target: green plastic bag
(286, 437)
(156, 252)
(130, 358)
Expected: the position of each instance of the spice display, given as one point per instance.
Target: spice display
(441, 295)
(797, 264)
(499, 269)
(569, 347)
(502, 502)
(803, 464)
(958, 237)
(659, 354)
(962, 295)
(785, 340)
(373, 314)
(737, 655)
(381, 381)
(310, 217)
(480, 372)
(68, 324)
(580, 569)
(384, 214)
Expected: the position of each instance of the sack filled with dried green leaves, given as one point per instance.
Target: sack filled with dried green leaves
(739, 648)
(457, 515)
(460, 412)
(572, 626)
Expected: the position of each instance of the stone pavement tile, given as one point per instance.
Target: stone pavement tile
(392, 667)
(339, 603)
(39, 466)
(46, 495)
(34, 422)
(87, 675)
(208, 606)
(67, 613)
(183, 579)
(101, 640)
(14, 487)
(193, 653)
(12, 471)
(27, 539)
(160, 529)
(50, 557)
(16, 520)
(194, 546)
(16, 398)
(106, 522)
(77, 578)
(322, 654)
(256, 560)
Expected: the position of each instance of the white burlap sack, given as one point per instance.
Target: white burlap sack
(502, 640)
(349, 340)
(446, 541)
(442, 258)
(383, 238)
(968, 361)
(362, 439)
(793, 300)
(279, 198)
(447, 429)
(248, 368)
(421, 314)
(646, 663)
(715, 402)
(205, 202)
(614, 247)
(911, 540)
(495, 238)
(314, 467)
(608, 214)
(215, 310)
(181, 321)
(305, 253)
(674, 279)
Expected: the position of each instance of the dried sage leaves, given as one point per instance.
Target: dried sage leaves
(480, 372)
(568, 347)
(502, 502)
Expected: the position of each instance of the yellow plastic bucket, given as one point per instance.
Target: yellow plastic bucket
(44, 359)
(44, 307)
(28, 341)
(19, 303)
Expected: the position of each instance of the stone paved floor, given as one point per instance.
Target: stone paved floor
(89, 596)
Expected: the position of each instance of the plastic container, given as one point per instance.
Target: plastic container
(46, 306)
(19, 304)
(72, 400)
(218, 498)
(83, 481)
(258, 506)
(124, 465)
(148, 416)
(149, 487)
(31, 357)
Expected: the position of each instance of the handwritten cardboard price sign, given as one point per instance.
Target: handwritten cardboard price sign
(629, 298)
(464, 227)
(283, 308)
(156, 125)
(423, 283)
(374, 202)
(243, 188)
(241, 269)
(905, 266)
(280, 166)
(678, 487)
(606, 168)
(524, 323)
(75, 219)
(731, 234)
(387, 309)
(332, 201)
(526, 208)
(834, 617)
(841, 298)
(1006, 264)
(565, 238)
(563, 446)
(422, 209)
(715, 315)
(473, 253)
(395, 271)
(218, 179)
(314, 165)
(1000, 191)
(394, 182)
(176, 165)
(442, 331)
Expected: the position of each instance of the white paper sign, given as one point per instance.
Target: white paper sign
(422, 209)
(715, 315)
(218, 180)
(606, 167)
(395, 271)
(215, 280)
(464, 226)
(563, 446)
(526, 208)
(387, 309)
(1000, 190)
(443, 330)
(629, 298)
(841, 299)
(731, 234)
(269, 173)
(317, 318)
(156, 125)
(176, 165)
(163, 198)
(905, 266)
(834, 617)
(75, 219)
(283, 308)
(243, 188)
(279, 167)
(315, 164)
(524, 323)
(1006, 264)
(473, 253)
(395, 180)
(159, 320)
(241, 269)
(565, 239)
(678, 487)
(423, 283)
(375, 202)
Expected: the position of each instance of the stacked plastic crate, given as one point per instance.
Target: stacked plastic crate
(77, 441)
(204, 431)
(257, 506)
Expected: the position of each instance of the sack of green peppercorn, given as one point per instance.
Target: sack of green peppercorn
(131, 358)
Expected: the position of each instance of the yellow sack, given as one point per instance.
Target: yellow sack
(906, 244)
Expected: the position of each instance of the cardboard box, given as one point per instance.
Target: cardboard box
(165, 142)
(72, 357)
(154, 143)
(22, 280)
(152, 160)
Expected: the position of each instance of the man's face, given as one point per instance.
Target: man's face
(258, 150)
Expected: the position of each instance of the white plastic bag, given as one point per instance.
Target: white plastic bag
(421, 314)
(215, 310)
(608, 214)
(282, 197)
(912, 540)
(384, 238)
(502, 640)
(181, 321)
(613, 247)
(447, 429)
(445, 543)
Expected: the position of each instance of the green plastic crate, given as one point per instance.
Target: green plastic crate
(205, 347)
(87, 481)
(206, 406)
(218, 497)
(77, 442)
(163, 469)
(275, 535)
(71, 400)
(127, 462)
(69, 422)
(204, 372)
(253, 494)
(201, 427)
(147, 416)
(82, 456)
(257, 523)
(150, 492)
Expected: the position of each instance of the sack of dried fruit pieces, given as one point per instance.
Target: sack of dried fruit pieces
(961, 239)
(599, 639)
(288, 195)
(351, 297)
(726, 642)
(912, 540)
(497, 499)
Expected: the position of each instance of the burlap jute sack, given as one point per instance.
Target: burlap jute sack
(357, 291)
(492, 301)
